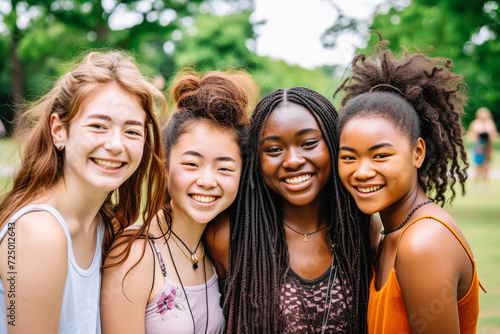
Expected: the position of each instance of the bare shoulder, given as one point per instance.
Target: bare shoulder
(216, 241)
(429, 241)
(41, 230)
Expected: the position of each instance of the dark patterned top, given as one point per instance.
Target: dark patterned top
(303, 304)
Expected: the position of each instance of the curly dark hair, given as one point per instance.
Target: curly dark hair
(259, 258)
(422, 97)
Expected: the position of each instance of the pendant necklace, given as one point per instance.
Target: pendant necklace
(384, 232)
(180, 281)
(194, 258)
(305, 234)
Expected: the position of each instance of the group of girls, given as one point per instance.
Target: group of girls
(299, 251)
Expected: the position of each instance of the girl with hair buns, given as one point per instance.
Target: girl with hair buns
(164, 282)
(401, 155)
(298, 259)
(92, 148)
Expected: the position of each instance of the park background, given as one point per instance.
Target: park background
(39, 38)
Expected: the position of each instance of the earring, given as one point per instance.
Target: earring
(60, 147)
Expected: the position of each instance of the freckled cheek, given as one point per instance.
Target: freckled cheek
(137, 149)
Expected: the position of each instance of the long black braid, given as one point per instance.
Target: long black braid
(258, 257)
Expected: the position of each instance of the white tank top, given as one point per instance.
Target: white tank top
(80, 305)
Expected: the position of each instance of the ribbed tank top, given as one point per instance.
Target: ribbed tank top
(386, 308)
(80, 304)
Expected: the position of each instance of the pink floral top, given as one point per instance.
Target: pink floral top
(168, 312)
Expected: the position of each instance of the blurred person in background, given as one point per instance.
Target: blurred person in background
(482, 132)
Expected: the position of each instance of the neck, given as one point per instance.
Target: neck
(396, 214)
(74, 206)
(306, 218)
(189, 232)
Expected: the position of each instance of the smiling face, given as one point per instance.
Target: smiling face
(377, 163)
(294, 157)
(203, 172)
(104, 143)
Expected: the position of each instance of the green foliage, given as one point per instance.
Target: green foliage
(37, 53)
(38, 36)
(467, 32)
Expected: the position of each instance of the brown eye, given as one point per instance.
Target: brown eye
(310, 143)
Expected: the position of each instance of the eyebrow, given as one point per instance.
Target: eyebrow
(299, 133)
(373, 148)
(107, 118)
(198, 155)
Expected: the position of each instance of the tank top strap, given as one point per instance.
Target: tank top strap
(37, 207)
(447, 226)
(160, 259)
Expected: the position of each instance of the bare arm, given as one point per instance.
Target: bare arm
(472, 133)
(429, 266)
(41, 267)
(216, 241)
(124, 296)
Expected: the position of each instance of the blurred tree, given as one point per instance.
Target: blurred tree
(33, 33)
(467, 32)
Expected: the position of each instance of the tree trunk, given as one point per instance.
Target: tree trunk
(17, 77)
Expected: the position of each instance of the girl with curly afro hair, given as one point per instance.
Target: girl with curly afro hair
(401, 155)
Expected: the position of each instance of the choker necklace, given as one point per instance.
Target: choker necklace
(180, 281)
(193, 258)
(305, 234)
(408, 217)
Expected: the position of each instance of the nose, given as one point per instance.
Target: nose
(114, 143)
(364, 170)
(293, 159)
(207, 178)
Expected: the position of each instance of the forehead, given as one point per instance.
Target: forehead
(114, 102)
(371, 129)
(288, 118)
(210, 139)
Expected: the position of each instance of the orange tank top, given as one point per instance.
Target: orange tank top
(386, 308)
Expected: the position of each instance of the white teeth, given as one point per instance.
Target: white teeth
(108, 164)
(298, 179)
(203, 199)
(368, 190)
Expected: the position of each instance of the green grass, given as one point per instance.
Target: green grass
(478, 214)
(8, 157)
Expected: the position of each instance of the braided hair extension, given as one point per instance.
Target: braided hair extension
(258, 256)
(423, 98)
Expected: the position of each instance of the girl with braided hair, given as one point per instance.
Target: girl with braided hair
(295, 252)
(401, 149)
(170, 286)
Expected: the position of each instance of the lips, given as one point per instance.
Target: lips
(366, 190)
(108, 164)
